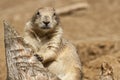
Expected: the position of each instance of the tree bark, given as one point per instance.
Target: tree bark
(20, 59)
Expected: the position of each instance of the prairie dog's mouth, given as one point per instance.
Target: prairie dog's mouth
(46, 27)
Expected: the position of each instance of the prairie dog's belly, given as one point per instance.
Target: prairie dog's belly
(65, 69)
(58, 67)
(62, 66)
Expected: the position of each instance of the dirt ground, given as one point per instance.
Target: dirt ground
(94, 31)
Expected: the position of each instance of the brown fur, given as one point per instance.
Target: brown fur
(58, 54)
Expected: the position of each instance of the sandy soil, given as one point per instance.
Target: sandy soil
(95, 31)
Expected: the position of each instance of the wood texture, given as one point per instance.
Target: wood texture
(20, 59)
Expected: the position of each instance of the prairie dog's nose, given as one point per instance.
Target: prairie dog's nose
(46, 22)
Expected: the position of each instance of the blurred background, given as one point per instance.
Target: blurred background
(95, 31)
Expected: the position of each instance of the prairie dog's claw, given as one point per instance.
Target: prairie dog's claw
(39, 57)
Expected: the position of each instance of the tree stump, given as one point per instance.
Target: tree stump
(20, 59)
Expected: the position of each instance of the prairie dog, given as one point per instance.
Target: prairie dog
(44, 34)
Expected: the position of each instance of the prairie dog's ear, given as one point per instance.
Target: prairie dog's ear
(57, 19)
(57, 16)
(33, 17)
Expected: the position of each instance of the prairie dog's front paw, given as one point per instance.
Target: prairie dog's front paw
(40, 58)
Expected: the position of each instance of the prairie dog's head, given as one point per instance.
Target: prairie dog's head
(45, 18)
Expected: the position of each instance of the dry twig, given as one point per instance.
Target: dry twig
(72, 8)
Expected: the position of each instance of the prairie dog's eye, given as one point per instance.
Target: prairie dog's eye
(54, 14)
(38, 13)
